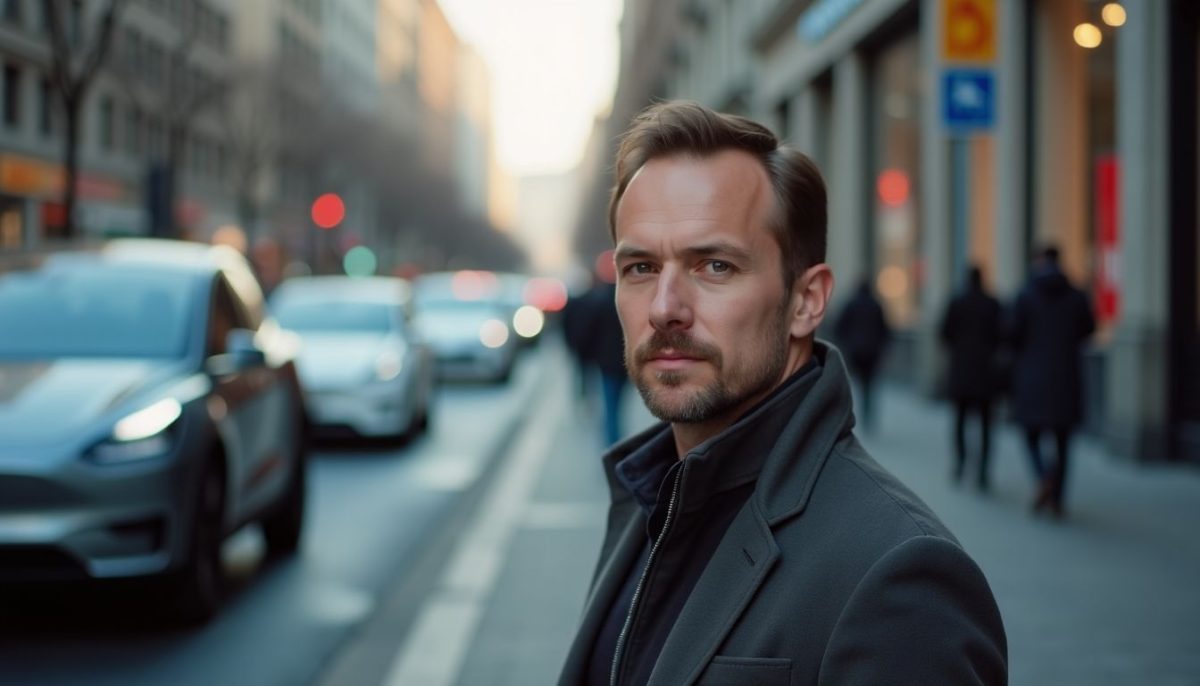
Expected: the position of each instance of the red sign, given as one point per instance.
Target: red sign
(1108, 238)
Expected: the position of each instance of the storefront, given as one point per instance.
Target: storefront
(1184, 289)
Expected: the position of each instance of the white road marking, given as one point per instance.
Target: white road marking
(434, 651)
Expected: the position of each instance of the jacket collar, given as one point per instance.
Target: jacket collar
(782, 442)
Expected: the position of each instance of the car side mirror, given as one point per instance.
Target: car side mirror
(241, 353)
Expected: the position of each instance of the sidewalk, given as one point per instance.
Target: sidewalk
(1111, 595)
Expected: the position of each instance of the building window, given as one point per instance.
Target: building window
(133, 131)
(12, 95)
(107, 124)
(46, 99)
(12, 11)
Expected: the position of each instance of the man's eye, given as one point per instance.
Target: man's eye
(638, 268)
(719, 267)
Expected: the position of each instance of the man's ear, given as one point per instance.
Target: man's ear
(810, 299)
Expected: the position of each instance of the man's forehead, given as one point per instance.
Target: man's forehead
(727, 185)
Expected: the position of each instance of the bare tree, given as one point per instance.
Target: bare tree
(75, 59)
(252, 137)
(179, 94)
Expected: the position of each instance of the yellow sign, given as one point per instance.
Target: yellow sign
(968, 30)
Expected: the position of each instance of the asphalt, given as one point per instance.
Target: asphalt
(1108, 595)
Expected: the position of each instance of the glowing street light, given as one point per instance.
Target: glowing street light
(1113, 14)
(1088, 35)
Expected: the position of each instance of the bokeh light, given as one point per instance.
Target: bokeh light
(1088, 35)
(1113, 14)
(493, 333)
(328, 210)
(893, 187)
(528, 321)
(360, 261)
(892, 282)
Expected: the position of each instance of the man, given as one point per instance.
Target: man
(971, 331)
(1051, 322)
(751, 539)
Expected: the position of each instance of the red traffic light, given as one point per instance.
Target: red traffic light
(328, 211)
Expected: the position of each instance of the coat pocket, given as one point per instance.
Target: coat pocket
(747, 671)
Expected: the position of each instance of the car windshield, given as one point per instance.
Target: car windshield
(94, 311)
(455, 317)
(334, 315)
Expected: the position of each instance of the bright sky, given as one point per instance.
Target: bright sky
(553, 65)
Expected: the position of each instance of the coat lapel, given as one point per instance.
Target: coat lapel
(608, 582)
(731, 578)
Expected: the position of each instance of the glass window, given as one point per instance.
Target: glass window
(12, 95)
(46, 99)
(81, 310)
(334, 315)
(12, 11)
(895, 255)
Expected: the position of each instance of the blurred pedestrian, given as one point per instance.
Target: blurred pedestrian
(863, 334)
(607, 351)
(593, 332)
(751, 538)
(575, 335)
(971, 331)
(1051, 321)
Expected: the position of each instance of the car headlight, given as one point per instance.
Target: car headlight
(493, 333)
(528, 321)
(141, 435)
(388, 366)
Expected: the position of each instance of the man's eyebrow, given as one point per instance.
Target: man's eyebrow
(720, 249)
(631, 252)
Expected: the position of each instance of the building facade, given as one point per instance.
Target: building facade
(956, 132)
(161, 54)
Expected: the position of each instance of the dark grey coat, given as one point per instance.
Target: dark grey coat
(832, 573)
(1051, 321)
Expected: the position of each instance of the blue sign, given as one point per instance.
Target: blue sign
(968, 99)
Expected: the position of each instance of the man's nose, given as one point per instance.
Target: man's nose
(671, 308)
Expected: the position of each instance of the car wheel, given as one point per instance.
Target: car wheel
(197, 589)
(282, 528)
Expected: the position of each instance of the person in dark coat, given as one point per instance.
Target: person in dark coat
(1051, 321)
(863, 334)
(751, 539)
(971, 331)
(605, 348)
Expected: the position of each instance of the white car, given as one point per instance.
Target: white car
(364, 367)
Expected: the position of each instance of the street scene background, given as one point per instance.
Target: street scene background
(299, 373)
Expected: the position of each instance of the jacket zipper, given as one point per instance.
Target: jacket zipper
(637, 591)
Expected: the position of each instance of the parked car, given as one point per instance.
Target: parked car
(148, 409)
(363, 364)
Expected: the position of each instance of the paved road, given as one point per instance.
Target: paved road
(371, 511)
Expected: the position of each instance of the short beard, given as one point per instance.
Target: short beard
(719, 396)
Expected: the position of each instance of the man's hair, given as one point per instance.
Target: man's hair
(687, 128)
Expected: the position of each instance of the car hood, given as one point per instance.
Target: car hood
(336, 361)
(47, 401)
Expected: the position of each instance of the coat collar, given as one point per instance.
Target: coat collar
(782, 442)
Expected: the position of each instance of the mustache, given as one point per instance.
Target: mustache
(677, 342)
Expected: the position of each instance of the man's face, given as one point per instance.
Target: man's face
(699, 287)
